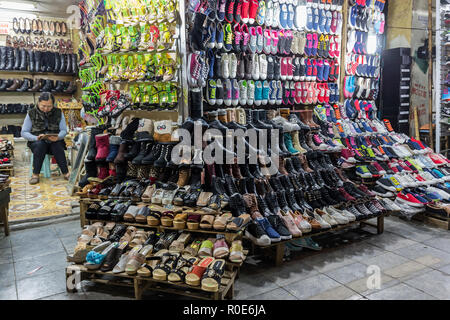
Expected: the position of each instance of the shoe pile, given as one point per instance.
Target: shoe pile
(14, 130)
(38, 85)
(266, 52)
(172, 256)
(14, 108)
(6, 150)
(403, 167)
(38, 56)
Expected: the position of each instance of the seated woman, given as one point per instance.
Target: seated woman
(45, 128)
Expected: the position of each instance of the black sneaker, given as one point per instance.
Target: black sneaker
(277, 68)
(386, 167)
(257, 235)
(382, 192)
(279, 226)
(263, 207)
(386, 184)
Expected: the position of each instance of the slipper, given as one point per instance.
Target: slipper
(196, 273)
(221, 249)
(147, 269)
(182, 266)
(206, 248)
(212, 277)
(207, 222)
(136, 260)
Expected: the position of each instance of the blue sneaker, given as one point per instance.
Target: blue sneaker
(322, 20)
(258, 93)
(326, 70)
(219, 36)
(316, 18)
(212, 59)
(265, 92)
(353, 15)
(329, 16)
(284, 16)
(310, 19)
(320, 69)
(291, 16)
(273, 92)
(273, 235)
(366, 127)
(212, 35)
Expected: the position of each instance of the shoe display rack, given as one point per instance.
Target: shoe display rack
(7, 154)
(134, 52)
(35, 56)
(442, 76)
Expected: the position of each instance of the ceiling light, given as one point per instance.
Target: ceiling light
(17, 5)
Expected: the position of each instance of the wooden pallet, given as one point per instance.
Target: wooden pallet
(77, 273)
(434, 220)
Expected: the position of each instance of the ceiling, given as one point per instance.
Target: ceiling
(53, 8)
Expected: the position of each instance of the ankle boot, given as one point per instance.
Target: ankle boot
(144, 149)
(128, 133)
(236, 171)
(219, 171)
(164, 158)
(37, 86)
(153, 155)
(15, 85)
(48, 86)
(289, 166)
(289, 144)
(16, 59)
(9, 58)
(23, 60)
(102, 145)
(296, 142)
(255, 171)
(71, 88)
(237, 205)
(281, 166)
(134, 151)
(3, 60)
(6, 84)
(25, 85)
(59, 86)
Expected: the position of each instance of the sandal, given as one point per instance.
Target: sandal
(167, 219)
(139, 238)
(179, 221)
(94, 260)
(164, 267)
(221, 249)
(204, 198)
(131, 213)
(154, 217)
(207, 222)
(113, 257)
(212, 277)
(182, 266)
(192, 249)
(237, 252)
(206, 248)
(220, 223)
(146, 270)
(137, 260)
(142, 214)
(193, 221)
(238, 223)
(196, 273)
(147, 195)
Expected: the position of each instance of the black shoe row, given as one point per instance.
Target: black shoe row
(14, 130)
(37, 61)
(14, 108)
(38, 85)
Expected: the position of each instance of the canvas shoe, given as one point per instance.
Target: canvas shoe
(408, 199)
(339, 218)
(232, 65)
(251, 92)
(245, 7)
(261, 14)
(234, 92)
(291, 16)
(258, 93)
(256, 68)
(245, 38)
(225, 66)
(382, 192)
(256, 233)
(267, 47)
(253, 40)
(272, 92)
(279, 93)
(300, 17)
(265, 93)
(276, 15)
(259, 39)
(310, 19)
(219, 92)
(269, 13)
(228, 92)
(262, 67)
(243, 90)
(237, 37)
(212, 89)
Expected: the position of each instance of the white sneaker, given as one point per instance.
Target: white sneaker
(340, 219)
(250, 92)
(276, 15)
(287, 126)
(269, 13)
(322, 222)
(262, 67)
(225, 66)
(255, 72)
(233, 65)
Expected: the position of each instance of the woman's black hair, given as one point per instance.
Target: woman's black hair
(45, 96)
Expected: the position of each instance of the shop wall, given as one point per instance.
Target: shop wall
(399, 22)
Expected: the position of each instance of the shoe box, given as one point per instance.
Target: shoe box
(396, 88)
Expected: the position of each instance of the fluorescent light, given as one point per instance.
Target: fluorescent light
(17, 5)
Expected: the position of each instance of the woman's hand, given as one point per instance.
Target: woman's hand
(40, 137)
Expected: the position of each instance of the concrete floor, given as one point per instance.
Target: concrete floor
(414, 261)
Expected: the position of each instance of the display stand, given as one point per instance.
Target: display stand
(9, 167)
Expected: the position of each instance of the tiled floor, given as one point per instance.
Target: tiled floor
(413, 262)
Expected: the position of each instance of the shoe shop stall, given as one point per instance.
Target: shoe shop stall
(156, 214)
(38, 53)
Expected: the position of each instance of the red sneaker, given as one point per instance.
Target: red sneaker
(409, 199)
